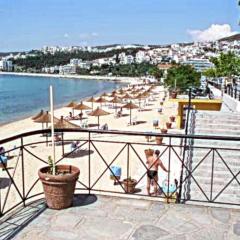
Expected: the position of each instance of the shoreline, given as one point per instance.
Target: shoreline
(57, 108)
(130, 80)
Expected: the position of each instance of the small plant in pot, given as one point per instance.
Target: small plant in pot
(172, 118)
(129, 185)
(159, 140)
(58, 184)
(168, 125)
(164, 130)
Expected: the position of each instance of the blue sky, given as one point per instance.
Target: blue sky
(30, 24)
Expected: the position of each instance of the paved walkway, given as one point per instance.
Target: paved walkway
(102, 218)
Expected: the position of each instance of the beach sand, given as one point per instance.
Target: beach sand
(100, 145)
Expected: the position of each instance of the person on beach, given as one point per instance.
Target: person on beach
(153, 163)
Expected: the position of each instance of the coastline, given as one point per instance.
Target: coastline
(130, 80)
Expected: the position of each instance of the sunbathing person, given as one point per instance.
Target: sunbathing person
(153, 162)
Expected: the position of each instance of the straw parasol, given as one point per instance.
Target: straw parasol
(116, 100)
(92, 100)
(130, 106)
(98, 112)
(126, 96)
(82, 107)
(62, 123)
(121, 91)
(101, 100)
(104, 95)
(72, 105)
(38, 115)
(113, 94)
(45, 118)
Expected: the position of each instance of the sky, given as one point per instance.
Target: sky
(31, 24)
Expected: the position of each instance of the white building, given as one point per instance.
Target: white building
(6, 65)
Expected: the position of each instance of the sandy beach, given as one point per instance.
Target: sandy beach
(100, 144)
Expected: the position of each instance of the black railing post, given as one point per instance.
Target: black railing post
(23, 174)
(128, 164)
(212, 174)
(235, 93)
(185, 143)
(169, 166)
(89, 163)
(62, 144)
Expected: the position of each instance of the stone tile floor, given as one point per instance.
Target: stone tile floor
(101, 217)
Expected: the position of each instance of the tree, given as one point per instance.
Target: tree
(182, 77)
(211, 72)
(226, 65)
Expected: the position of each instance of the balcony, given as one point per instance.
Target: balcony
(104, 210)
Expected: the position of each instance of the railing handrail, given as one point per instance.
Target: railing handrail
(117, 132)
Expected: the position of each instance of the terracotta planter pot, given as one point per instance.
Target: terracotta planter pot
(164, 130)
(172, 118)
(159, 140)
(59, 189)
(129, 185)
(149, 152)
(173, 94)
(168, 125)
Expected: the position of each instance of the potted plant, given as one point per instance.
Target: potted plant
(129, 185)
(59, 187)
(172, 118)
(164, 130)
(159, 140)
(168, 125)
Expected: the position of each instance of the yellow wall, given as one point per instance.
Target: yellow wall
(199, 104)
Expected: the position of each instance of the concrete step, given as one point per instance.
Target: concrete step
(205, 130)
(229, 156)
(218, 167)
(213, 115)
(216, 143)
(217, 125)
(216, 121)
(223, 198)
(202, 180)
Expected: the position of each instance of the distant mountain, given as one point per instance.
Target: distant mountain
(232, 38)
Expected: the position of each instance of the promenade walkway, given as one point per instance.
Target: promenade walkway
(101, 217)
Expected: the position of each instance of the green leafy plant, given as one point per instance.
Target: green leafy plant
(51, 165)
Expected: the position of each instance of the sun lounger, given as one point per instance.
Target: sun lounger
(134, 121)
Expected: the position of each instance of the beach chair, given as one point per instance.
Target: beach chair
(84, 124)
(134, 121)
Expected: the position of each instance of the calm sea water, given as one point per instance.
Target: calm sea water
(23, 96)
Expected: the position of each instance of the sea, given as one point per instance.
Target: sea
(24, 96)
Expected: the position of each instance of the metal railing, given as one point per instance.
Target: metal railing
(95, 163)
(230, 90)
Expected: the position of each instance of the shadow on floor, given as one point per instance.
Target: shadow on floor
(79, 153)
(84, 199)
(4, 182)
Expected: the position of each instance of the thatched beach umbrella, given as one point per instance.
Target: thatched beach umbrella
(38, 115)
(98, 112)
(82, 107)
(121, 91)
(45, 118)
(130, 106)
(113, 94)
(101, 100)
(127, 96)
(104, 95)
(64, 124)
(92, 100)
(116, 100)
(72, 105)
